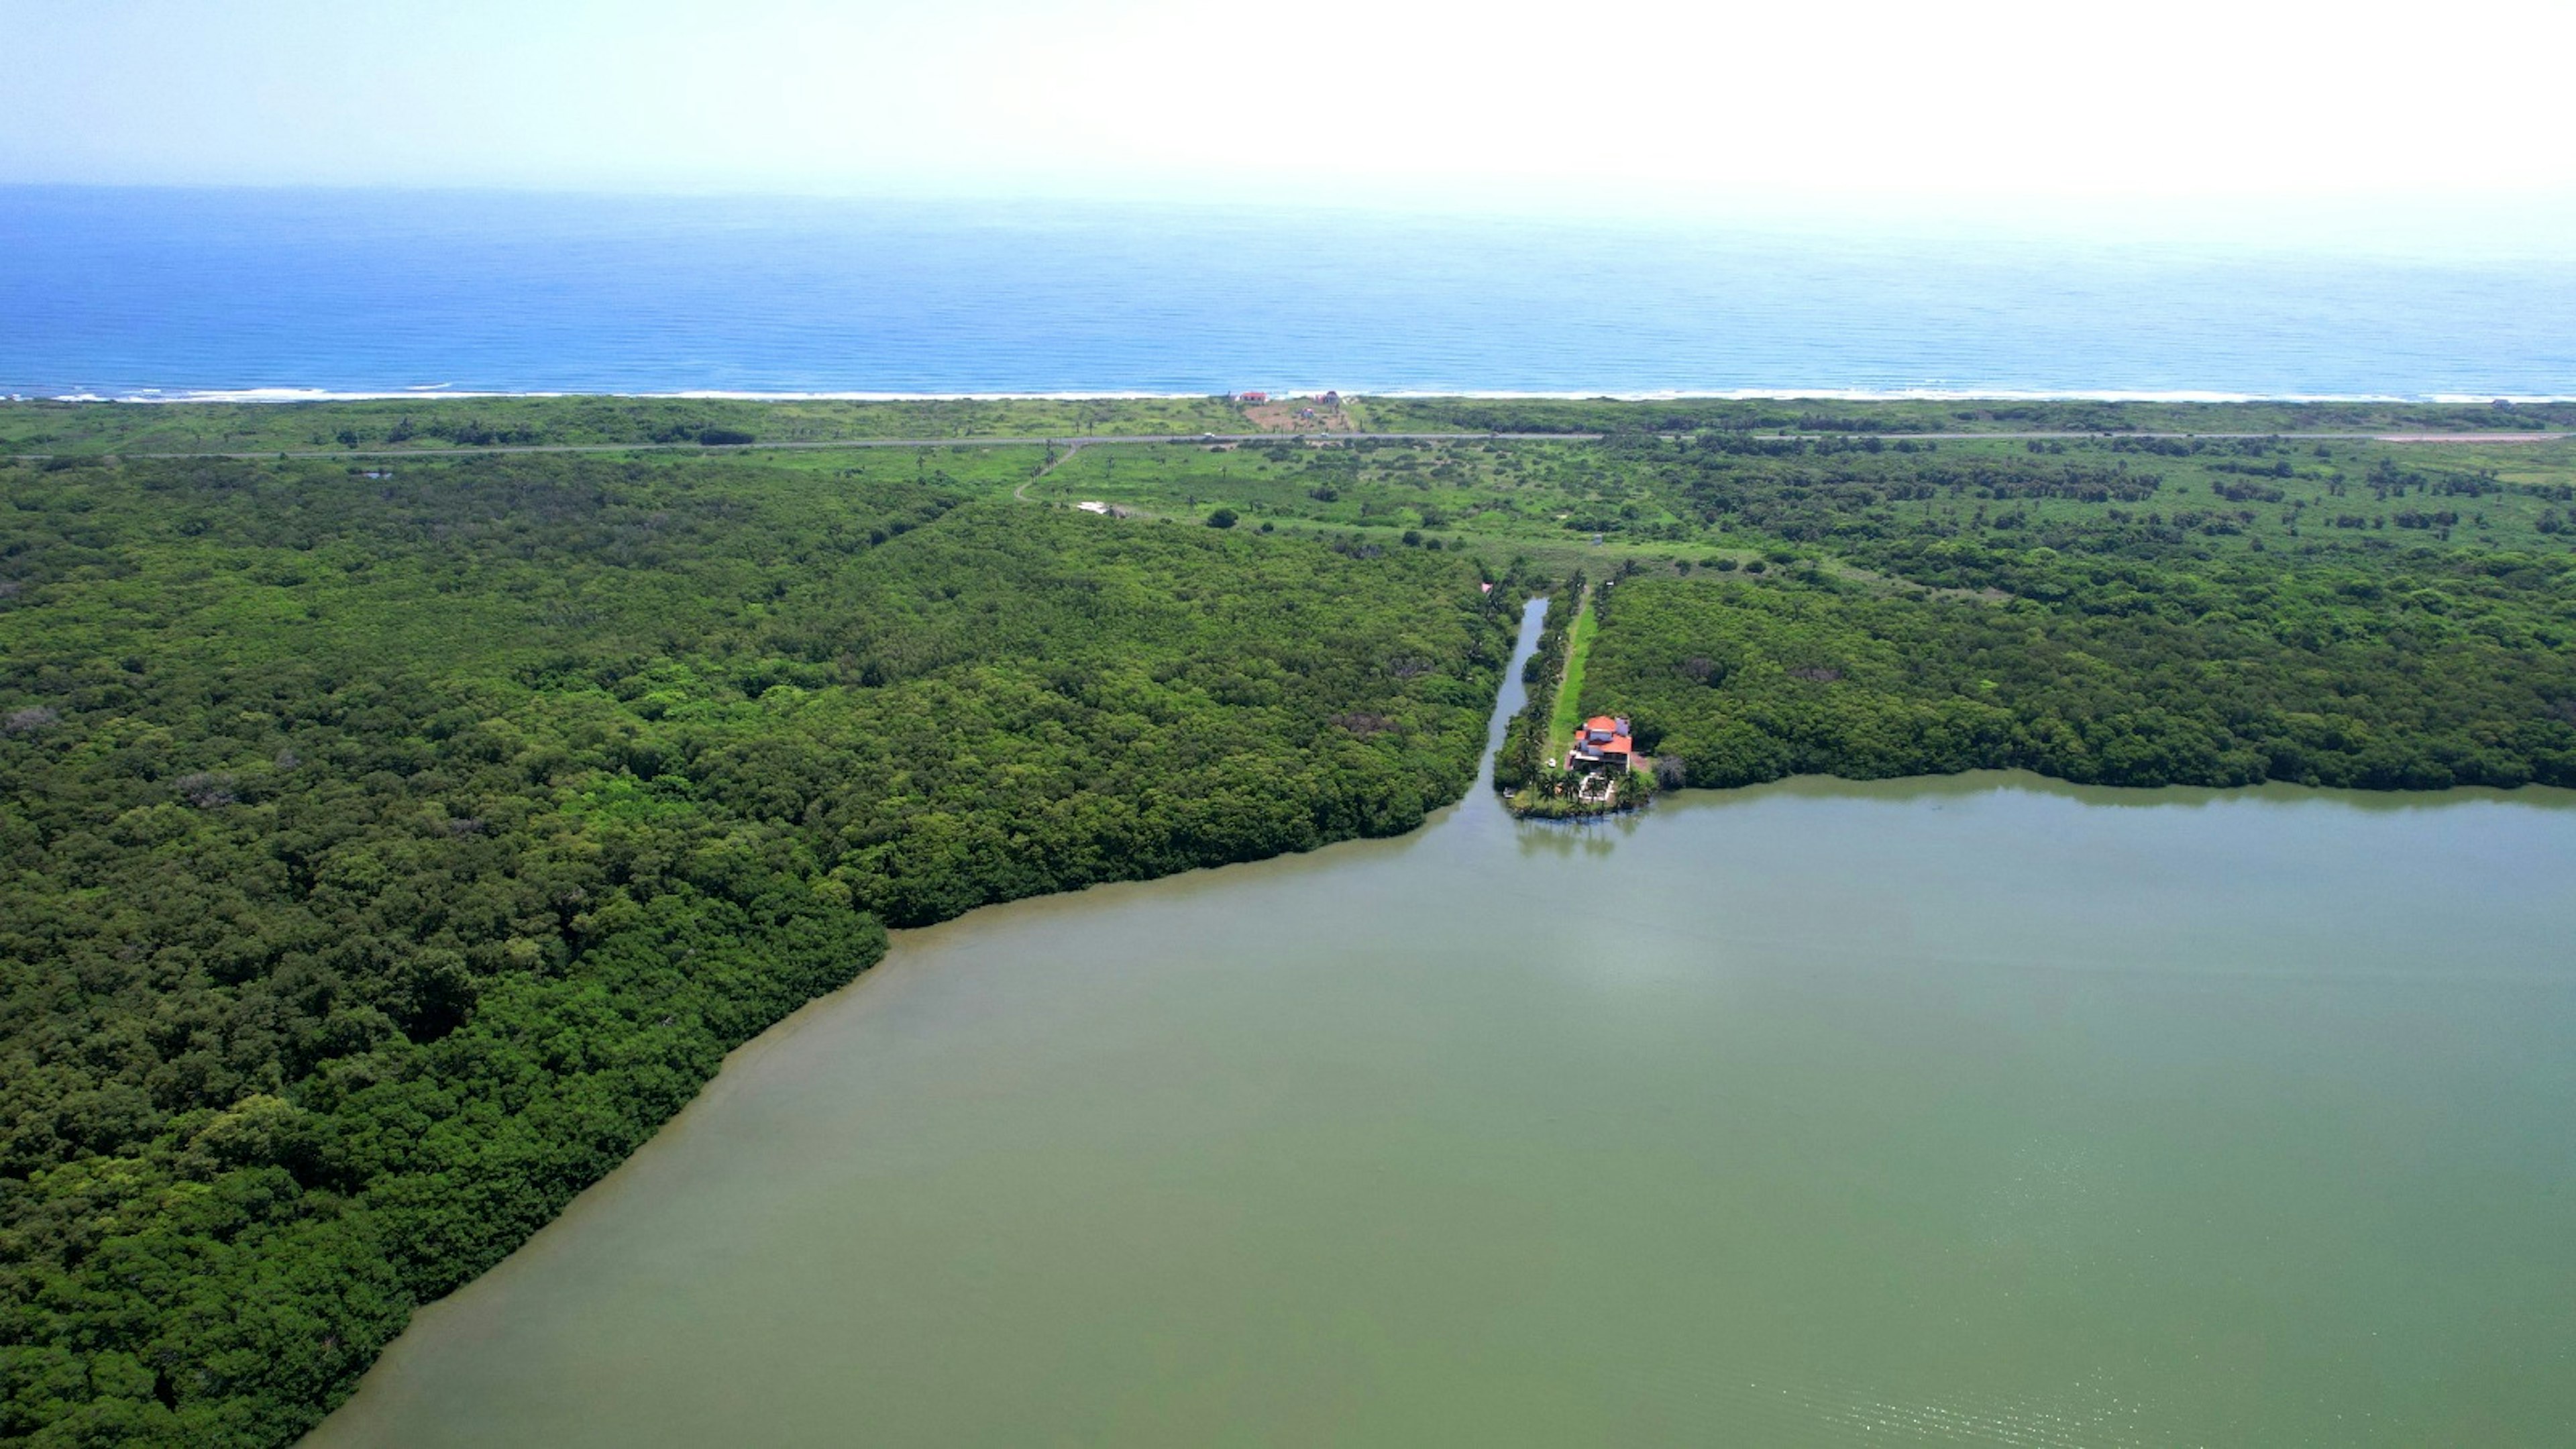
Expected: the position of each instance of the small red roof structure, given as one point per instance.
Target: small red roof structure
(1252, 397)
(1603, 740)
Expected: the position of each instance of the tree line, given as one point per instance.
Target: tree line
(388, 857)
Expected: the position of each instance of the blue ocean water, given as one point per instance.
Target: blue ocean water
(120, 292)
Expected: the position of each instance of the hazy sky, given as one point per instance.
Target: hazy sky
(1680, 103)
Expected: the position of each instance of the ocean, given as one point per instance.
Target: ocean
(141, 293)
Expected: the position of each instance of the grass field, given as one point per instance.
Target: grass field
(1563, 719)
(1672, 508)
(1632, 501)
(435, 424)
(431, 423)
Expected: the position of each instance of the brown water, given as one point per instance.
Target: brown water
(1978, 1111)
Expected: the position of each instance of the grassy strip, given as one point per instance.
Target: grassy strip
(1569, 690)
(432, 423)
(1954, 416)
(436, 424)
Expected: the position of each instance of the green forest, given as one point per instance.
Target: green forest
(2105, 616)
(1914, 613)
(398, 833)
(388, 857)
(2131, 610)
(2419, 675)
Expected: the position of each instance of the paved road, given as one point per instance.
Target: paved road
(1082, 442)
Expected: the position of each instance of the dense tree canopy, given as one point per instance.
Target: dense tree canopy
(386, 857)
(2120, 648)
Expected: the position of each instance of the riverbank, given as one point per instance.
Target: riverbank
(535, 786)
(1961, 1105)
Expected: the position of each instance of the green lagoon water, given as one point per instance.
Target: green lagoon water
(1979, 1111)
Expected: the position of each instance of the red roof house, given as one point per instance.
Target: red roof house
(1603, 743)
